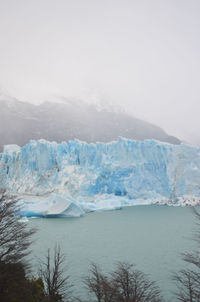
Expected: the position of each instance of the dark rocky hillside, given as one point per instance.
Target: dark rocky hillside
(20, 122)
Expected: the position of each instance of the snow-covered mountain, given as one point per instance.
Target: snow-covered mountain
(76, 177)
(68, 120)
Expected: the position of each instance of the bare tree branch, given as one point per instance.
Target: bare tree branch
(188, 280)
(52, 271)
(15, 236)
(125, 284)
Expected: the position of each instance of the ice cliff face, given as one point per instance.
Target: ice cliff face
(75, 177)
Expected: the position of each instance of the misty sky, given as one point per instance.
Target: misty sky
(142, 54)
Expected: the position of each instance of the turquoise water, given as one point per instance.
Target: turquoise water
(152, 237)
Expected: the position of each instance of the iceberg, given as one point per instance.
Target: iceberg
(70, 179)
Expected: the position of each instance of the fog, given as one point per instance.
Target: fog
(142, 55)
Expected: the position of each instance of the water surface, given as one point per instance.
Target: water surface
(152, 237)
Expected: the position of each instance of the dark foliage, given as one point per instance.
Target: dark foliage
(15, 287)
(15, 239)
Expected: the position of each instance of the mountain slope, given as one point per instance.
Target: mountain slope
(20, 122)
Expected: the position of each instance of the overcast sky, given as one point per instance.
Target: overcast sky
(142, 54)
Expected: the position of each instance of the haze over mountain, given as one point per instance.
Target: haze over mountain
(67, 120)
(142, 55)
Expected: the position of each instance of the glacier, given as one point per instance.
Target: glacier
(70, 179)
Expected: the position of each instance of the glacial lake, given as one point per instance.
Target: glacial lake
(152, 237)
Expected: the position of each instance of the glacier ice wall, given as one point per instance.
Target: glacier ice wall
(72, 178)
